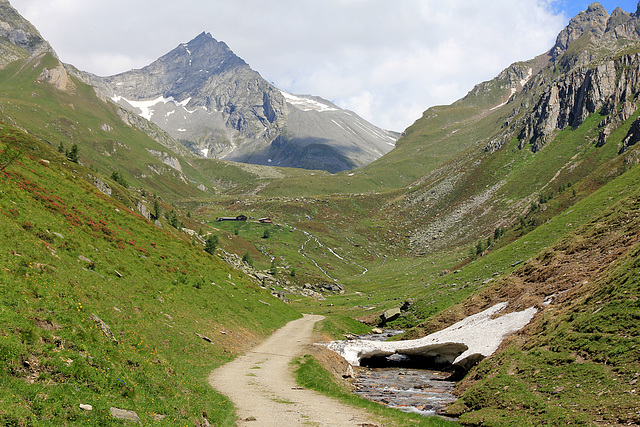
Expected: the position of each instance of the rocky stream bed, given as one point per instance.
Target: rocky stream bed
(399, 384)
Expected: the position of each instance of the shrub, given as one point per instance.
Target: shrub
(72, 154)
(115, 175)
(211, 244)
(247, 258)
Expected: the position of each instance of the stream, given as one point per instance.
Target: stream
(402, 386)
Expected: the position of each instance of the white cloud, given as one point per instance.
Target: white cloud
(388, 61)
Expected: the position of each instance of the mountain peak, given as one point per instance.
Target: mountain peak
(596, 7)
(595, 27)
(203, 38)
(204, 54)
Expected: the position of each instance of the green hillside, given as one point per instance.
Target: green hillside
(69, 253)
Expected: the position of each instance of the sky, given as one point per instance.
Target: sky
(386, 60)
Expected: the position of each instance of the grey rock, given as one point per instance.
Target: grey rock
(142, 208)
(106, 330)
(124, 414)
(166, 159)
(102, 186)
(332, 287)
(389, 315)
(18, 38)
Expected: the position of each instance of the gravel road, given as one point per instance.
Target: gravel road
(261, 385)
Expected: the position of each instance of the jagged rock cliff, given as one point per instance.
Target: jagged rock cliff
(592, 72)
(569, 100)
(594, 66)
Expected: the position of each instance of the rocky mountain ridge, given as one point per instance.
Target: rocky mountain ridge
(593, 67)
(18, 38)
(204, 95)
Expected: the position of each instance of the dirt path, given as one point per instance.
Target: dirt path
(262, 387)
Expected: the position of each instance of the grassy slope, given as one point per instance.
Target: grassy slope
(63, 248)
(578, 361)
(78, 116)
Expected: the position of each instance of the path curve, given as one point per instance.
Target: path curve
(261, 384)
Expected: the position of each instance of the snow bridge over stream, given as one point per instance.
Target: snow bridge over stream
(462, 344)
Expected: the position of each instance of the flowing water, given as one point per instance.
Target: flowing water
(409, 389)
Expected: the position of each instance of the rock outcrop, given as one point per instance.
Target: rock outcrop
(569, 100)
(57, 77)
(18, 38)
(590, 69)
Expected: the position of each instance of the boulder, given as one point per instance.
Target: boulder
(144, 211)
(106, 330)
(332, 287)
(389, 315)
(124, 414)
(102, 186)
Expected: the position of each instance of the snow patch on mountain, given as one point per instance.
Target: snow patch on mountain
(306, 104)
(526, 79)
(146, 107)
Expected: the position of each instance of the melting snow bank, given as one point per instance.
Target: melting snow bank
(462, 344)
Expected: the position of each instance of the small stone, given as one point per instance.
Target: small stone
(85, 407)
(124, 414)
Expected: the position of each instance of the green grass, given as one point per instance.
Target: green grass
(579, 362)
(310, 374)
(68, 252)
(335, 327)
